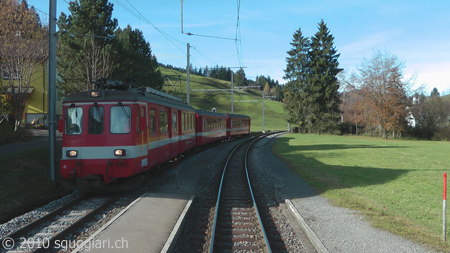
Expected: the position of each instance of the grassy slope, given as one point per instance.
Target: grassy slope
(397, 184)
(274, 115)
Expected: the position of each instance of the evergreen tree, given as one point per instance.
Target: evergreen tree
(240, 79)
(134, 59)
(85, 41)
(295, 74)
(322, 84)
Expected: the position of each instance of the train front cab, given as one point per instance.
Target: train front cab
(104, 141)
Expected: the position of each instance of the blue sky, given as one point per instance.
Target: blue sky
(418, 32)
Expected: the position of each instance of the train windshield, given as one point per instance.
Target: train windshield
(120, 119)
(74, 120)
(95, 120)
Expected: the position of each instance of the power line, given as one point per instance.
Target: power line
(143, 18)
(238, 35)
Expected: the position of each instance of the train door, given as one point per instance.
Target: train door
(164, 138)
(174, 131)
(143, 134)
(153, 136)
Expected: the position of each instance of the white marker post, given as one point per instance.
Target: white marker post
(444, 207)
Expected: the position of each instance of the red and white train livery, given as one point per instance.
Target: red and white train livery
(110, 134)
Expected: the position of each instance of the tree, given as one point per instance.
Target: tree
(134, 59)
(266, 89)
(311, 94)
(23, 45)
(85, 42)
(384, 92)
(322, 84)
(240, 79)
(295, 74)
(432, 115)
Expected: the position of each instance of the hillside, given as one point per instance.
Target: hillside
(275, 117)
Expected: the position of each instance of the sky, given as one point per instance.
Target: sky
(417, 32)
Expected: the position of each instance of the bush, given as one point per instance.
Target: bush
(7, 134)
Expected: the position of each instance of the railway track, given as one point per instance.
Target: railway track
(232, 215)
(237, 224)
(47, 233)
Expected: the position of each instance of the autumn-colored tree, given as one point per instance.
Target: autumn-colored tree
(266, 89)
(23, 46)
(380, 81)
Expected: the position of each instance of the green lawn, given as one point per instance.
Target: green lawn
(25, 180)
(245, 102)
(397, 184)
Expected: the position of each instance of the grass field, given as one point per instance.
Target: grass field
(245, 102)
(25, 180)
(397, 184)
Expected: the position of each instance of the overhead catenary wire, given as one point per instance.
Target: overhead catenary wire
(170, 38)
(144, 19)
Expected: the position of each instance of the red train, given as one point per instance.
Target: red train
(117, 132)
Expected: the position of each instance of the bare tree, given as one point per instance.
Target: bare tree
(380, 81)
(23, 46)
(97, 63)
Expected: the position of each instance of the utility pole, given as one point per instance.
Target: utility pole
(232, 95)
(263, 112)
(263, 100)
(181, 16)
(188, 91)
(52, 86)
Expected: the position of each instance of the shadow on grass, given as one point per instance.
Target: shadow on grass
(323, 177)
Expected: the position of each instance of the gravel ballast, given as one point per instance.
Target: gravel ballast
(339, 229)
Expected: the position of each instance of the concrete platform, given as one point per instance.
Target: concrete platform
(149, 224)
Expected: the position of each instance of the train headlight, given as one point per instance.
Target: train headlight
(120, 152)
(96, 94)
(71, 153)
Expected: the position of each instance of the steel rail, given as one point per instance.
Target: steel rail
(78, 223)
(35, 224)
(253, 197)
(218, 196)
(211, 249)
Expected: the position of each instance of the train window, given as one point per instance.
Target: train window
(152, 116)
(74, 120)
(95, 120)
(191, 120)
(120, 119)
(174, 122)
(163, 122)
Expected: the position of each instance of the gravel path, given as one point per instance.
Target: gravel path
(339, 229)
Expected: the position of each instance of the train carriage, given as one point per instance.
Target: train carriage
(237, 124)
(112, 133)
(210, 126)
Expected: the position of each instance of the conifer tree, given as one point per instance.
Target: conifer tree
(322, 84)
(295, 74)
(85, 41)
(134, 60)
